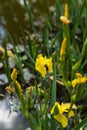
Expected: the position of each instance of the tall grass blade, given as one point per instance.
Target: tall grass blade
(7, 66)
(53, 95)
(17, 61)
(27, 7)
(81, 124)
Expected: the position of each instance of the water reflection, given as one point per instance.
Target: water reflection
(13, 14)
(13, 120)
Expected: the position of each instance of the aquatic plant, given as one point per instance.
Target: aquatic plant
(54, 99)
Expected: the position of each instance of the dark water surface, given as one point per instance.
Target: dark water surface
(13, 15)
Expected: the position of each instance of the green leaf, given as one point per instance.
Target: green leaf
(81, 124)
(46, 122)
(7, 67)
(53, 123)
(53, 95)
(28, 10)
(84, 48)
(77, 64)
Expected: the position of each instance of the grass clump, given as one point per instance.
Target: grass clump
(56, 98)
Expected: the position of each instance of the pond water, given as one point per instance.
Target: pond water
(13, 15)
(9, 119)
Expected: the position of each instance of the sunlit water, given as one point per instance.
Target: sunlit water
(11, 120)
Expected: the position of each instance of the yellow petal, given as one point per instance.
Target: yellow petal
(10, 54)
(71, 114)
(63, 46)
(38, 128)
(78, 75)
(64, 20)
(65, 107)
(2, 50)
(49, 65)
(18, 86)
(83, 80)
(74, 82)
(62, 119)
(10, 90)
(66, 10)
(79, 80)
(63, 49)
(53, 108)
(41, 63)
(14, 74)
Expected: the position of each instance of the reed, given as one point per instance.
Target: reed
(58, 62)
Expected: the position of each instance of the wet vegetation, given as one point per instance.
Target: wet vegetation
(46, 69)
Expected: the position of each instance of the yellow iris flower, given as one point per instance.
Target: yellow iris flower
(14, 77)
(9, 53)
(38, 128)
(42, 63)
(64, 18)
(58, 111)
(10, 90)
(80, 79)
(14, 74)
(18, 86)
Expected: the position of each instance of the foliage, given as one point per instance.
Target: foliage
(54, 99)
